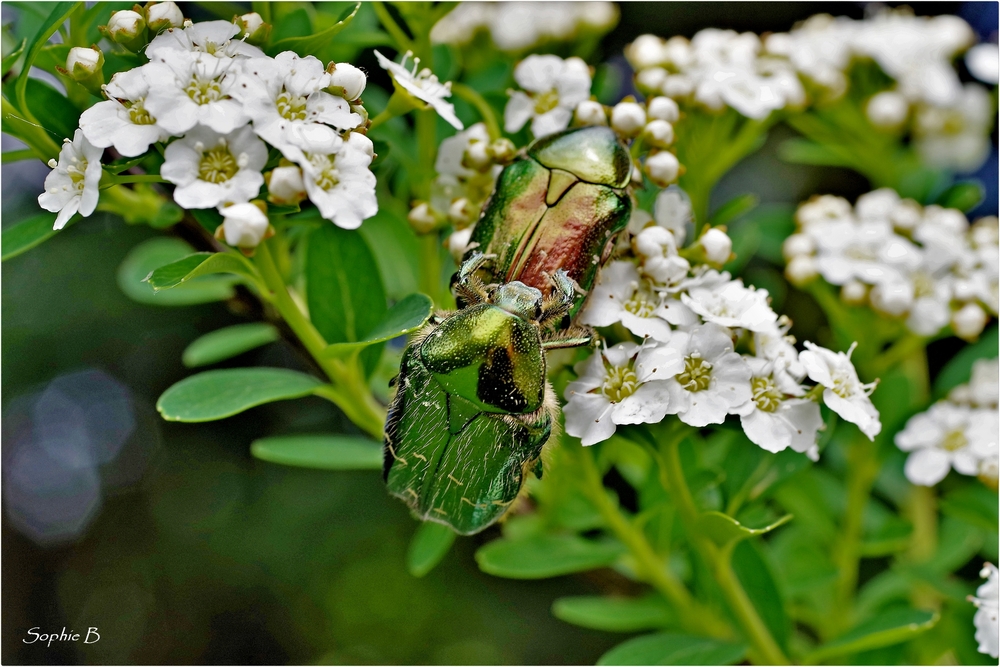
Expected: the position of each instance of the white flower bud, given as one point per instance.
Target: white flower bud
(422, 218)
(285, 186)
(892, 298)
(797, 244)
(461, 212)
(968, 321)
(163, 15)
(85, 66)
(874, 205)
(636, 173)
(717, 245)
(645, 51)
(655, 241)
(346, 80)
(906, 215)
(458, 242)
(964, 290)
(628, 118)
(503, 150)
(663, 168)
(985, 232)
(801, 270)
(663, 108)
(854, 293)
(477, 156)
(887, 110)
(589, 112)
(677, 85)
(253, 29)
(983, 61)
(651, 78)
(127, 28)
(950, 219)
(244, 225)
(659, 133)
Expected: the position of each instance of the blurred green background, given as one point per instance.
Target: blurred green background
(191, 551)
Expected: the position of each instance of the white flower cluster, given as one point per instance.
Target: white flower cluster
(694, 321)
(925, 264)
(217, 99)
(959, 432)
(987, 618)
(553, 88)
(715, 69)
(518, 26)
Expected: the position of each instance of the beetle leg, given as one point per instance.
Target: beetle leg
(575, 337)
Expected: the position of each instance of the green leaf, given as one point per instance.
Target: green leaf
(543, 556)
(59, 12)
(964, 196)
(888, 628)
(223, 393)
(804, 151)
(405, 317)
(723, 529)
(734, 208)
(974, 504)
(758, 581)
(614, 614)
(674, 649)
(227, 343)
(316, 42)
(959, 369)
(197, 265)
(156, 252)
(11, 58)
(429, 545)
(26, 234)
(343, 288)
(52, 109)
(320, 451)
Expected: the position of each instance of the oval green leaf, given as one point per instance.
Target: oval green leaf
(614, 614)
(887, 628)
(227, 343)
(197, 265)
(543, 556)
(429, 545)
(405, 317)
(674, 649)
(11, 58)
(320, 451)
(218, 394)
(723, 529)
(154, 253)
(964, 196)
(26, 234)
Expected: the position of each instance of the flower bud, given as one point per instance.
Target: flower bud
(628, 118)
(253, 28)
(854, 293)
(458, 242)
(461, 212)
(639, 220)
(655, 241)
(678, 85)
(85, 66)
(801, 270)
(422, 218)
(717, 245)
(663, 108)
(797, 244)
(964, 290)
(645, 51)
(244, 225)
(887, 110)
(285, 186)
(590, 112)
(163, 15)
(906, 215)
(363, 112)
(650, 78)
(346, 80)
(969, 321)
(663, 168)
(127, 28)
(659, 133)
(477, 156)
(892, 298)
(503, 150)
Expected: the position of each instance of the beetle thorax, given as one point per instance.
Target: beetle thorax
(519, 299)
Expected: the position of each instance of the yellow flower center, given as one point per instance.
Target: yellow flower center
(204, 91)
(954, 441)
(77, 173)
(923, 285)
(292, 107)
(327, 175)
(218, 164)
(765, 393)
(137, 113)
(697, 373)
(642, 303)
(620, 383)
(546, 101)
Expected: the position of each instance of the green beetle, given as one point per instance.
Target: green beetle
(473, 408)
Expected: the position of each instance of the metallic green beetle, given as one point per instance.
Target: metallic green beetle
(473, 408)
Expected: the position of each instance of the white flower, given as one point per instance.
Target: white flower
(673, 211)
(657, 249)
(189, 89)
(214, 38)
(212, 169)
(347, 80)
(887, 109)
(422, 85)
(341, 184)
(983, 61)
(554, 87)
(285, 186)
(465, 169)
(987, 618)
(624, 384)
(956, 136)
(775, 419)
(944, 437)
(622, 296)
(774, 345)
(284, 98)
(984, 386)
(843, 392)
(732, 305)
(122, 120)
(714, 380)
(71, 186)
(589, 112)
(244, 225)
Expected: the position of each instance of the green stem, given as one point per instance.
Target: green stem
(134, 178)
(472, 96)
(135, 205)
(18, 156)
(900, 350)
(348, 390)
(26, 128)
(403, 43)
(718, 559)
